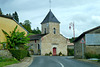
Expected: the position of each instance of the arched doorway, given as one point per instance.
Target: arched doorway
(54, 51)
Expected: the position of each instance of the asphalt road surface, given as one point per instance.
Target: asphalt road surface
(57, 61)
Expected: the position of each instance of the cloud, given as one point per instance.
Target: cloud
(85, 14)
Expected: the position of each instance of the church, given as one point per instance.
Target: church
(50, 40)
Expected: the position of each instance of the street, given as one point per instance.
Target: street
(58, 61)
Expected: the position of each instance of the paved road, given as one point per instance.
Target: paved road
(57, 61)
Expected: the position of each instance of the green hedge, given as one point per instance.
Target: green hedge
(70, 52)
(92, 55)
(19, 54)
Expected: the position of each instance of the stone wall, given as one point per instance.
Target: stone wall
(49, 27)
(34, 46)
(53, 40)
(5, 53)
(93, 49)
(78, 46)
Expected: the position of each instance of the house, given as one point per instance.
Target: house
(50, 40)
(91, 43)
(8, 24)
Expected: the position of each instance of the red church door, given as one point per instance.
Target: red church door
(54, 51)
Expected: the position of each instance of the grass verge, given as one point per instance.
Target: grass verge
(7, 61)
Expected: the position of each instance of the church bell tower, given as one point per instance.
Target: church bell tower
(50, 24)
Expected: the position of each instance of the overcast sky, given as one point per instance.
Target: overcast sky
(84, 13)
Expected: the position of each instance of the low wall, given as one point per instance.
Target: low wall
(93, 49)
(5, 53)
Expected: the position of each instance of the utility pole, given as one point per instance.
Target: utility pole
(72, 24)
(82, 42)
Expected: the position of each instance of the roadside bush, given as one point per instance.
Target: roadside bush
(19, 54)
(98, 60)
(50, 54)
(92, 55)
(70, 52)
(60, 54)
(46, 54)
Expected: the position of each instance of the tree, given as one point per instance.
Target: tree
(1, 11)
(15, 16)
(16, 39)
(9, 15)
(36, 31)
(27, 25)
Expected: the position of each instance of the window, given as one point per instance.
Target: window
(54, 30)
(38, 46)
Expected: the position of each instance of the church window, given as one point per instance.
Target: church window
(54, 30)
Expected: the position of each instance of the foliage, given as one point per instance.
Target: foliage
(60, 53)
(98, 60)
(72, 39)
(19, 54)
(9, 15)
(7, 61)
(36, 31)
(27, 25)
(50, 53)
(32, 51)
(46, 54)
(4, 45)
(92, 55)
(70, 52)
(16, 40)
(15, 16)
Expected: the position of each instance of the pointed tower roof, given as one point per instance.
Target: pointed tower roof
(50, 18)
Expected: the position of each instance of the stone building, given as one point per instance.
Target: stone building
(50, 40)
(8, 24)
(92, 43)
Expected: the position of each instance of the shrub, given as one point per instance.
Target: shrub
(98, 60)
(19, 54)
(91, 55)
(15, 39)
(50, 53)
(60, 53)
(28, 54)
(70, 52)
(46, 54)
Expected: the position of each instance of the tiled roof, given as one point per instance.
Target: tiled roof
(50, 18)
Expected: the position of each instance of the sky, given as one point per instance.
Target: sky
(84, 13)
